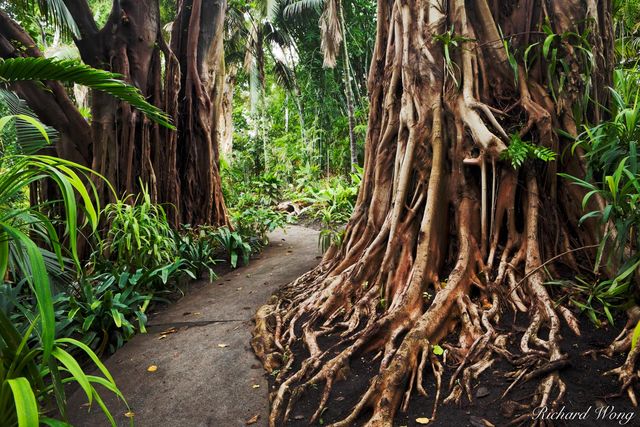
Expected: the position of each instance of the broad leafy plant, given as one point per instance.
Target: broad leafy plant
(34, 364)
(109, 309)
(234, 245)
(198, 247)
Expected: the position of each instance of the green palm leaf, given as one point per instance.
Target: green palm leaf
(54, 11)
(295, 8)
(39, 69)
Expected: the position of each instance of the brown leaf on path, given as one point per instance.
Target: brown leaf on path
(169, 331)
(253, 419)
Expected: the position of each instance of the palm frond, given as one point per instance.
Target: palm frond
(39, 69)
(273, 34)
(284, 75)
(29, 139)
(294, 9)
(266, 8)
(54, 11)
(330, 33)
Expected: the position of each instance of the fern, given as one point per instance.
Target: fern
(519, 151)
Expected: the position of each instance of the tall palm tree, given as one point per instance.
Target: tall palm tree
(268, 41)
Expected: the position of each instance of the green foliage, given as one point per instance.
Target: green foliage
(54, 11)
(107, 307)
(595, 298)
(333, 205)
(613, 174)
(198, 247)
(258, 222)
(40, 69)
(138, 234)
(450, 41)
(518, 151)
(234, 245)
(32, 360)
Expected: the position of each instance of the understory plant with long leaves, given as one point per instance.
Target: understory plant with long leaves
(34, 364)
(613, 175)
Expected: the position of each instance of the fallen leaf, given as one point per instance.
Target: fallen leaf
(256, 386)
(423, 420)
(169, 331)
(223, 345)
(152, 368)
(129, 414)
(437, 350)
(253, 419)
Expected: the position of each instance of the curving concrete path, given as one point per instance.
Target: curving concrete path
(206, 372)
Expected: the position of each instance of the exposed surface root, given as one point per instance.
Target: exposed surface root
(628, 373)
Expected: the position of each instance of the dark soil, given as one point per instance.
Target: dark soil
(587, 387)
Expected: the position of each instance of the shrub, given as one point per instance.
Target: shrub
(138, 234)
(234, 245)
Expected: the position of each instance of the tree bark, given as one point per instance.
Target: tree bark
(196, 40)
(446, 234)
(225, 129)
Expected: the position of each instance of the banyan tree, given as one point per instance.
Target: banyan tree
(461, 213)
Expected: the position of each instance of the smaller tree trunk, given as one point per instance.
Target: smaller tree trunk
(353, 148)
(225, 129)
(197, 42)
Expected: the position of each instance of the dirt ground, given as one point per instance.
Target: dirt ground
(586, 388)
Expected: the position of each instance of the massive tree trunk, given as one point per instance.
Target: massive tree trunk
(447, 236)
(125, 143)
(196, 40)
(179, 168)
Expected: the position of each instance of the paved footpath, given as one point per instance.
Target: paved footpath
(206, 372)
